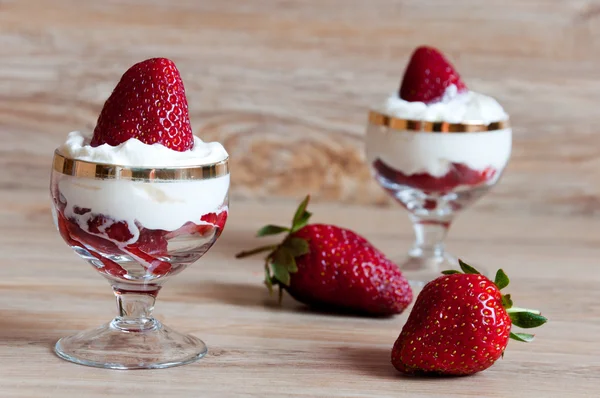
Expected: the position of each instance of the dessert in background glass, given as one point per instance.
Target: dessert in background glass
(436, 147)
(140, 202)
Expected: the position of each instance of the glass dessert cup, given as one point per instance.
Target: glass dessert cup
(435, 170)
(137, 227)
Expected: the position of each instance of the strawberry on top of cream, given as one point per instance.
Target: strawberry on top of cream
(433, 91)
(149, 104)
(144, 123)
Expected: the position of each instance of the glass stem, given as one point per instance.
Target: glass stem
(429, 236)
(135, 309)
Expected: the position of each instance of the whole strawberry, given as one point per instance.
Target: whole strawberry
(460, 325)
(332, 268)
(428, 75)
(149, 104)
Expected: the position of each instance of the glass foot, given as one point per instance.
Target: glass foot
(112, 346)
(421, 269)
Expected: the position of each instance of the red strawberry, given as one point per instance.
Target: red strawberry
(460, 324)
(427, 76)
(328, 267)
(149, 104)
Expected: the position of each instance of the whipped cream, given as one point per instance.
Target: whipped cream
(421, 152)
(413, 152)
(157, 204)
(153, 205)
(454, 107)
(133, 152)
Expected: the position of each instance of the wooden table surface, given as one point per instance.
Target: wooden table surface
(257, 349)
(285, 85)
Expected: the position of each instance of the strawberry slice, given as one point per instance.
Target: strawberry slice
(218, 220)
(86, 239)
(190, 228)
(149, 104)
(151, 244)
(155, 265)
(458, 174)
(152, 241)
(428, 75)
(117, 231)
(110, 267)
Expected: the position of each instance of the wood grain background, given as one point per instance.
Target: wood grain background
(285, 85)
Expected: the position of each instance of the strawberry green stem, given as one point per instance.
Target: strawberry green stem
(256, 251)
(519, 309)
(280, 262)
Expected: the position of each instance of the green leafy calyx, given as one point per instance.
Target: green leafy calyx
(523, 337)
(501, 280)
(467, 269)
(280, 262)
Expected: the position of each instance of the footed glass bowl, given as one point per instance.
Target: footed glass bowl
(435, 170)
(137, 227)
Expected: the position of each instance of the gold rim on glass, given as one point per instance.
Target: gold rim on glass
(85, 169)
(420, 126)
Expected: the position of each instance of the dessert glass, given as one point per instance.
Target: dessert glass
(434, 170)
(88, 208)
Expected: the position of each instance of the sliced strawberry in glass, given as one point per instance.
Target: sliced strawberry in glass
(154, 265)
(190, 228)
(217, 220)
(86, 239)
(110, 267)
(152, 241)
(106, 235)
(114, 230)
(458, 174)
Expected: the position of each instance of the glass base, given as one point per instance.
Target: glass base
(114, 346)
(419, 270)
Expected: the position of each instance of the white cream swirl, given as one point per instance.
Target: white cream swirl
(133, 152)
(454, 107)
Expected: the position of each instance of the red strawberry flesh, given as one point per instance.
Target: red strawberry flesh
(152, 241)
(428, 75)
(117, 231)
(148, 104)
